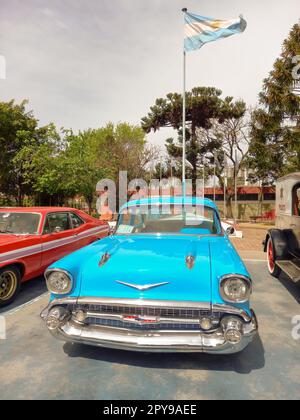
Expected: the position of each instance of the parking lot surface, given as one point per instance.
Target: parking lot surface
(34, 365)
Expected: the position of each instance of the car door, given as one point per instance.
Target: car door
(79, 227)
(86, 230)
(59, 238)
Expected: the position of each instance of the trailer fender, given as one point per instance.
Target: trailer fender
(280, 243)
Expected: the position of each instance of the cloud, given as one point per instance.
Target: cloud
(82, 64)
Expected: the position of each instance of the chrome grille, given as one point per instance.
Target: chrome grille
(145, 327)
(168, 318)
(145, 311)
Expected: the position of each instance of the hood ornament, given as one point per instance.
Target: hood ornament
(190, 261)
(105, 257)
(142, 287)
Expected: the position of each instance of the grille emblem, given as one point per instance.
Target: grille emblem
(140, 320)
(142, 287)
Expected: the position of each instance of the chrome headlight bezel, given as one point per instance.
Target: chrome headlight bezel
(65, 273)
(246, 281)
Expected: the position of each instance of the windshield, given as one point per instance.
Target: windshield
(192, 220)
(19, 223)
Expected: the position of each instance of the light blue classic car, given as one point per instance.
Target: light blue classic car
(167, 280)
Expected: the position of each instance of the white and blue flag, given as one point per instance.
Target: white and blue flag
(200, 29)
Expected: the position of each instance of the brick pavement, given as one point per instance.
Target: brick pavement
(250, 246)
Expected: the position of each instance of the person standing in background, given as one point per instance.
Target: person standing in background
(103, 206)
(137, 195)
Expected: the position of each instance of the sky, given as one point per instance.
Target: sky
(82, 63)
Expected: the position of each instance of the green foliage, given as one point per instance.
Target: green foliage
(205, 111)
(120, 147)
(40, 165)
(18, 129)
(275, 134)
(202, 105)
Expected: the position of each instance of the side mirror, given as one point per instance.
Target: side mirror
(230, 231)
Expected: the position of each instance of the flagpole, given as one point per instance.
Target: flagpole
(184, 119)
(225, 187)
(214, 177)
(235, 186)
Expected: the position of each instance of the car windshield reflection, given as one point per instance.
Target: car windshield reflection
(19, 223)
(190, 220)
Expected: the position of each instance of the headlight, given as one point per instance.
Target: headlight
(59, 282)
(235, 288)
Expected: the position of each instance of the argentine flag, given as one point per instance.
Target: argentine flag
(199, 30)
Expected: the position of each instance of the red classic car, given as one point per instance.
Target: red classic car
(33, 238)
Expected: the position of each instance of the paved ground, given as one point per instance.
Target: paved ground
(30, 291)
(250, 246)
(34, 365)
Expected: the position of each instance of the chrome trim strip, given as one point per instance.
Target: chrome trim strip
(158, 234)
(231, 310)
(146, 302)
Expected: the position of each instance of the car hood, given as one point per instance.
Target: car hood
(149, 259)
(7, 239)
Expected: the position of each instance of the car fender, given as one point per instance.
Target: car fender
(17, 263)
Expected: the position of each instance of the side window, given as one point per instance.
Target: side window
(57, 222)
(296, 200)
(76, 220)
(46, 230)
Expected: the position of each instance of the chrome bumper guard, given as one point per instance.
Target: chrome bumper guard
(167, 341)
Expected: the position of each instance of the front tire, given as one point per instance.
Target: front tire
(10, 283)
(274, 270)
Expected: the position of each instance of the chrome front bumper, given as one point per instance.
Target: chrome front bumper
(158, 341)
(168, 341)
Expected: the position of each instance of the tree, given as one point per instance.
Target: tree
(38, 165)
(18, 128)
(223, 144)
(50, 167)
(204, 107)
(275, 132)
(123, 147)
(78, 168)
(226, 145)
(98, 154)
